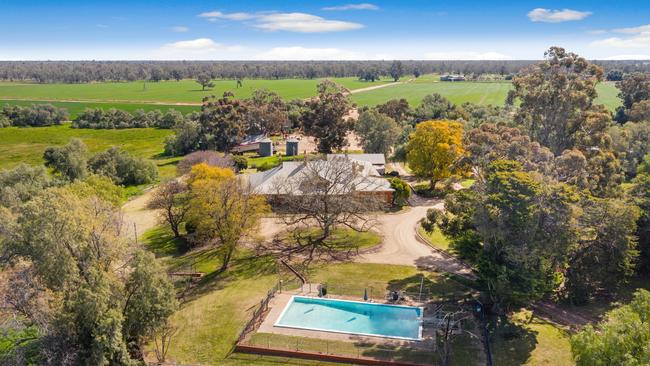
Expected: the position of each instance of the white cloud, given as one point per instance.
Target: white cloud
(362, 6)
(633, 30)
(291, 22)
(640, 40)
(303, 23)
(304, 53)
(214, 15)
(466, 56)
(628, 57)
(556, 16)
(200, 48)
(597, 31)
(180, 29)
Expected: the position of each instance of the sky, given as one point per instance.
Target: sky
(321, 30)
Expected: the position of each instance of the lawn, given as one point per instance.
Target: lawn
(435, 238)
(26, 144)
(184, 91)
(75, 108)
(483, 93)
(216, 310)
(523, 339)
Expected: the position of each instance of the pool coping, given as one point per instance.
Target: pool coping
(286, 307)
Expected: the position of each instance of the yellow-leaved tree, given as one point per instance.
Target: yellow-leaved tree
(204, 171)
(434, 150)
(223, 209)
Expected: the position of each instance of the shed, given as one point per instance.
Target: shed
(266, 147)
(292, 147)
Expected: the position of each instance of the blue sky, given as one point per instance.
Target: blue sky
(332, 29)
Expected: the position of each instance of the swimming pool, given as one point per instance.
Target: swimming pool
(352, 317)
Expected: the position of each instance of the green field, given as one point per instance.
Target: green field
(483, 93)
(75, 108)
(26, 144)
(184, 91)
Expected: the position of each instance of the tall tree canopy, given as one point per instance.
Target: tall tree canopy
(325, 117)
(555, 97)
(222, 122)
(377, 132)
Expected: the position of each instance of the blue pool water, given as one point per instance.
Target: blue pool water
(352, 317)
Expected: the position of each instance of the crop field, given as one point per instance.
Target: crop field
(26, 144)
(483, 93)
(184, 91)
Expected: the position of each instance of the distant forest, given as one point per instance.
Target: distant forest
(89, 71)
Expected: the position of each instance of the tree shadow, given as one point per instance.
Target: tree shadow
(163, 244)
(396, 351)
(439, 289)
(511, 342)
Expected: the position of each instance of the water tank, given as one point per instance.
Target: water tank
(266, 147)
(292, 147)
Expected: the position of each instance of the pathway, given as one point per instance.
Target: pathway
(402, 246)
(137, 217)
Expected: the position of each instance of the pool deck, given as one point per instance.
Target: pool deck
(280, 301)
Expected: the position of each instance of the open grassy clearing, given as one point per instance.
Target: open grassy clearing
(217, 308)
(184, 91)
(26, 144)
(75, 108)
(523, 339)
(482, 93)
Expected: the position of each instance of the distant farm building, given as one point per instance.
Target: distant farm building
(452, 78)
(249, 144)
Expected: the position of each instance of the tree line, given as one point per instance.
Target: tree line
(93, 71)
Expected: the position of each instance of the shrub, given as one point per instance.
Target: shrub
(402, 191)
(211, 158)
(240, 162)
(122, 168)
(36, 115)
(99, 118)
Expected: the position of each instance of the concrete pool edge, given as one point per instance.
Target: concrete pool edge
(290, 302)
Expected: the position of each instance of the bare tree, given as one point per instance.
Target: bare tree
(162, 340)
(324, 195)
(172, 199)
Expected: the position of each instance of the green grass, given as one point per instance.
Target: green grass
(26, 144)
(608, 95)
(185, 91)
(351, 279)
(218, 307)
(435, 238)
(75, 108)
(460, 92)
(523, 339)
